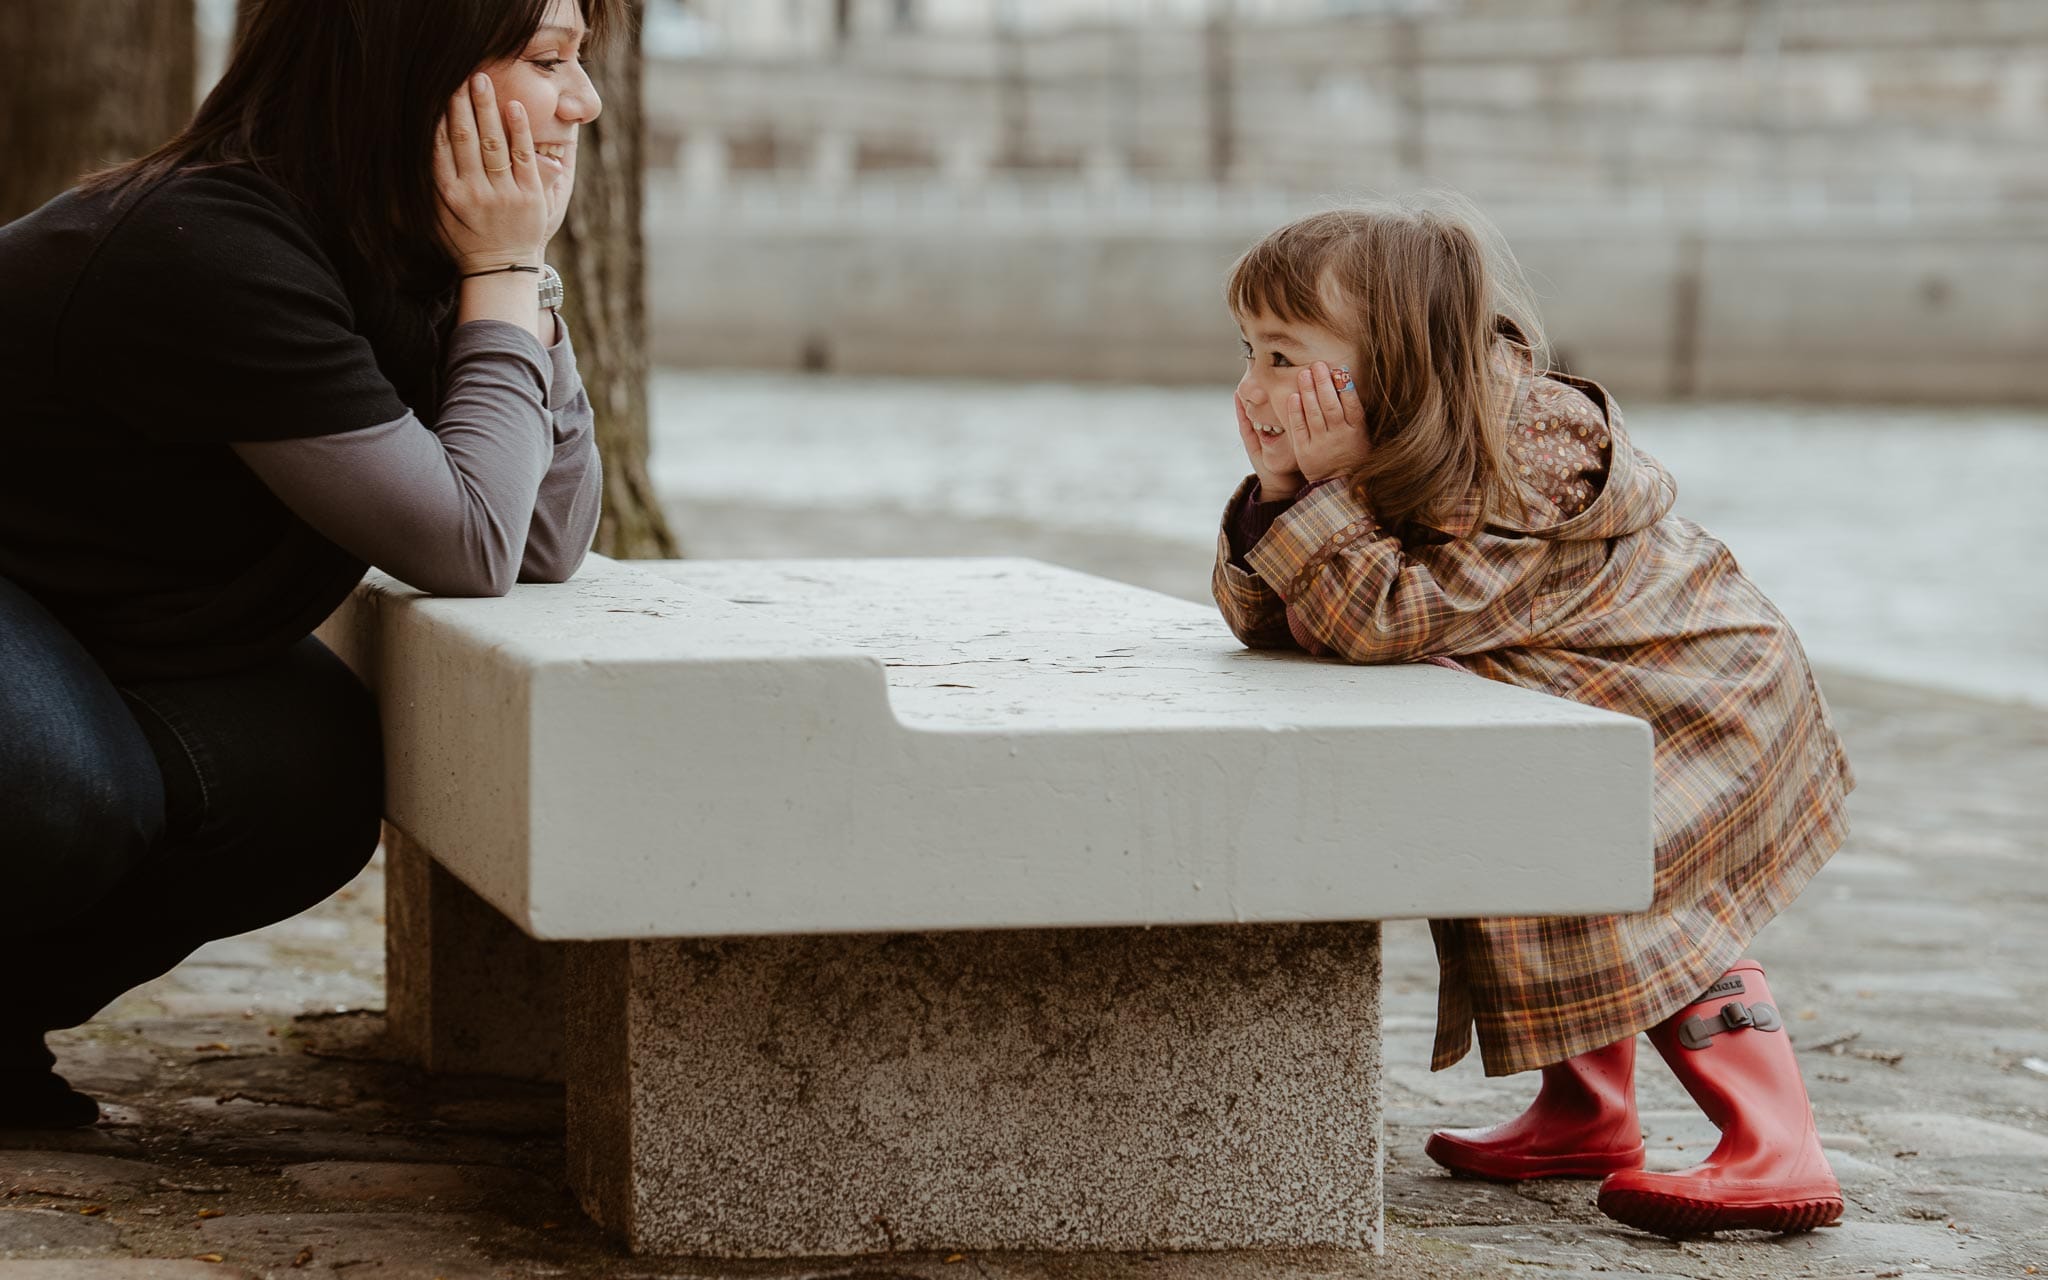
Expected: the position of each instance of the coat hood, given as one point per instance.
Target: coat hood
(1637, 492)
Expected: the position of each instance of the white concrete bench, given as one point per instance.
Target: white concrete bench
(933, 904)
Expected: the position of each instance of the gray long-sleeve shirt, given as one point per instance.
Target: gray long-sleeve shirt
(505, 485)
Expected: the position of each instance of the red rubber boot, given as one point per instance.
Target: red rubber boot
(1582, 1125)
(1730, 1051)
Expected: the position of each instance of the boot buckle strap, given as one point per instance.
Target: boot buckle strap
(1699, 1032)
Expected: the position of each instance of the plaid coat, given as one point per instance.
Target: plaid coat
(1600, 595)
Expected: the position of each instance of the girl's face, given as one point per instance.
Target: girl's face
(549, 79)
(1274, 354)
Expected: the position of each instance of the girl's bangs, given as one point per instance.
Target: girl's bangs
(1281, 276)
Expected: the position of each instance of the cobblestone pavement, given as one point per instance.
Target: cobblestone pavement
(254, 1129)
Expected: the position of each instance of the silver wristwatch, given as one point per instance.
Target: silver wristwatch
(550, 288)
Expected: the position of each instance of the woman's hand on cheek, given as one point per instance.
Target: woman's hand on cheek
(495, 209)
(558, 204)
(1325, 424)
(1272, 459)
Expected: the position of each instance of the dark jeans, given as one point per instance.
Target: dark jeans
(140, 821)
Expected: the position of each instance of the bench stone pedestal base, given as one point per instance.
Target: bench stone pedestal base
(468, 992)
(1201, 1087)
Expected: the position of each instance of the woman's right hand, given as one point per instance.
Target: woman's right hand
(1272, 457)
(494, 206)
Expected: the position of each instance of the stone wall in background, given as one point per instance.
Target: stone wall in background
(1873, 310)
(1857, 98)
(1834, 199)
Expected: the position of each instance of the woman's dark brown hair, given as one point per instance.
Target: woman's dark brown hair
(336, 102)
(1417, 287)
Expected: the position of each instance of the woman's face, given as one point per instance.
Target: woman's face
(549, 79)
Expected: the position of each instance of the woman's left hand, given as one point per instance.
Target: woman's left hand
(1327, 425)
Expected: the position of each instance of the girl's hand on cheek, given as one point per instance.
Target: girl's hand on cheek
(495, 210)
(1326, 425)
(1272, 458)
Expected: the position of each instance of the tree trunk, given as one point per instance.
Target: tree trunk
(89, 83)
(601, 254)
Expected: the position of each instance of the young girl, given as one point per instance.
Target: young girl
(1425, 489)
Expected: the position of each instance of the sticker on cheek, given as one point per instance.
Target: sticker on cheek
(1341, 377)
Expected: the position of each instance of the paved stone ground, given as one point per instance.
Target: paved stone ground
(256, 1130)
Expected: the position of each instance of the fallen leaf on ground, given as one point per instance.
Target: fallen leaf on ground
(208, 1257)
(215, 1047)
(1833, 1044)
(93, 1210)
(305, 1256)
(211, 1213)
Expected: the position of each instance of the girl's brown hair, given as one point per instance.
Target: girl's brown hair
(1420, 287)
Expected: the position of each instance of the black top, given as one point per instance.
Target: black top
(136, 343)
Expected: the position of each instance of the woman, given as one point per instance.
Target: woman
(313, 332)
